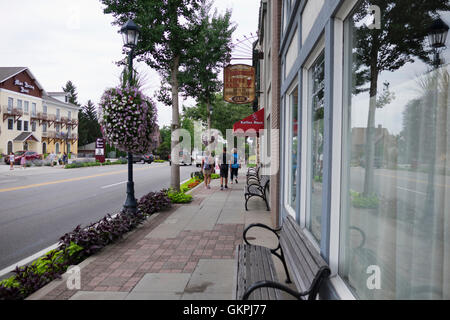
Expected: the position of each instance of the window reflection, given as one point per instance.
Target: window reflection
(396, 162)
(317, 79)
(293, 144)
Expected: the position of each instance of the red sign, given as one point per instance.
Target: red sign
(100, 150)
(239, 84)
(250, 125)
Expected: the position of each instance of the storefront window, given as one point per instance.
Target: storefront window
(292, 145)
(316, 102)
(395, 215)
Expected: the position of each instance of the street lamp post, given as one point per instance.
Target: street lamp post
(130, 34)
(437, 37)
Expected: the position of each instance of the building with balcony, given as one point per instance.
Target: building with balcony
(33, 119)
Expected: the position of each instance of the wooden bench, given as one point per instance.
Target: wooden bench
(256, 278)
(257, 188)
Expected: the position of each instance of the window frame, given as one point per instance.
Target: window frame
(318, 50)
(11, 120)
(288, 137)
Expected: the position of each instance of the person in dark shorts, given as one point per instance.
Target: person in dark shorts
(224, 167)
(234, 166)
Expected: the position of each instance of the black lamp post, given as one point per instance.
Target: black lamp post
(130, 34)
(437, 37)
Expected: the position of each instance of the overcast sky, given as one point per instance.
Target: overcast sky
(61, 40)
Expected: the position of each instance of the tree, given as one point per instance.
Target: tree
(72, 90)
(164, 148)
(211, 52)
(90, 117)
(399, 41)
(168, 30)
(224, 114)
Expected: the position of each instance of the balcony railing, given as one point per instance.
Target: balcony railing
(9, 111)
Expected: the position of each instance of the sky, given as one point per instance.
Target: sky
(61, 40)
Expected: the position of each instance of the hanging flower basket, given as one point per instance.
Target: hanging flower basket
(128, 119)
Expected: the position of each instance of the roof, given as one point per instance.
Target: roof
(59, 93)
(24, 136)
(8, 72)
(54, 100)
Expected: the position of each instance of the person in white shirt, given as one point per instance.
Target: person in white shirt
(11, 161)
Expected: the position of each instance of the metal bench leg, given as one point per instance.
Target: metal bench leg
(267, 204)
(281, 257)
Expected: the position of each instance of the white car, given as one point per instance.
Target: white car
(198, 158)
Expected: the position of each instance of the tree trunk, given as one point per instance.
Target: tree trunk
(175, 169)
(208, 121)
(370, 134)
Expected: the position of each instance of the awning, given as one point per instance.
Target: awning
(25, 136)
(250, 125)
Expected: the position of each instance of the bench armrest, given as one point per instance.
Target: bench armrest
(260, 225)
(270, 284)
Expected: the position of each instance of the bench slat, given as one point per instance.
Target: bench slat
(269, 269)
(301, 257)
(255, 263)
(242, 272)
(301, 250)
(255, 271)
(294, 264)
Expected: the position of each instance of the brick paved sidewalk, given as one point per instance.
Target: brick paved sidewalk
(186, 252)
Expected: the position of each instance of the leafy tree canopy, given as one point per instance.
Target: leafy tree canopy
(223, 116)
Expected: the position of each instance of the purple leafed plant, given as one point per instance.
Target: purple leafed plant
(154, 202)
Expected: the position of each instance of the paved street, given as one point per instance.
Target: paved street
(38, 205)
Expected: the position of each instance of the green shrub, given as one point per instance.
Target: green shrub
(360, 201)
(215, 176)
(159, 161)
(178, 197)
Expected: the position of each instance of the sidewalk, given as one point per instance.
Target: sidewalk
(187, 252)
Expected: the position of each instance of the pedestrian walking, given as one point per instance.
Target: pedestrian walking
(11, 161)
(235, 165)
(207, 165)
(64, 158)
(23, 161)
(224, 165)
(52, 158)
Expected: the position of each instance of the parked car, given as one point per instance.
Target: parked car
(144, 158)
(184, 158)
(29, 156)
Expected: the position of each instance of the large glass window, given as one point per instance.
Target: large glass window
(33, 109)
(292, 145)
(395, 215)
(315, 150)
